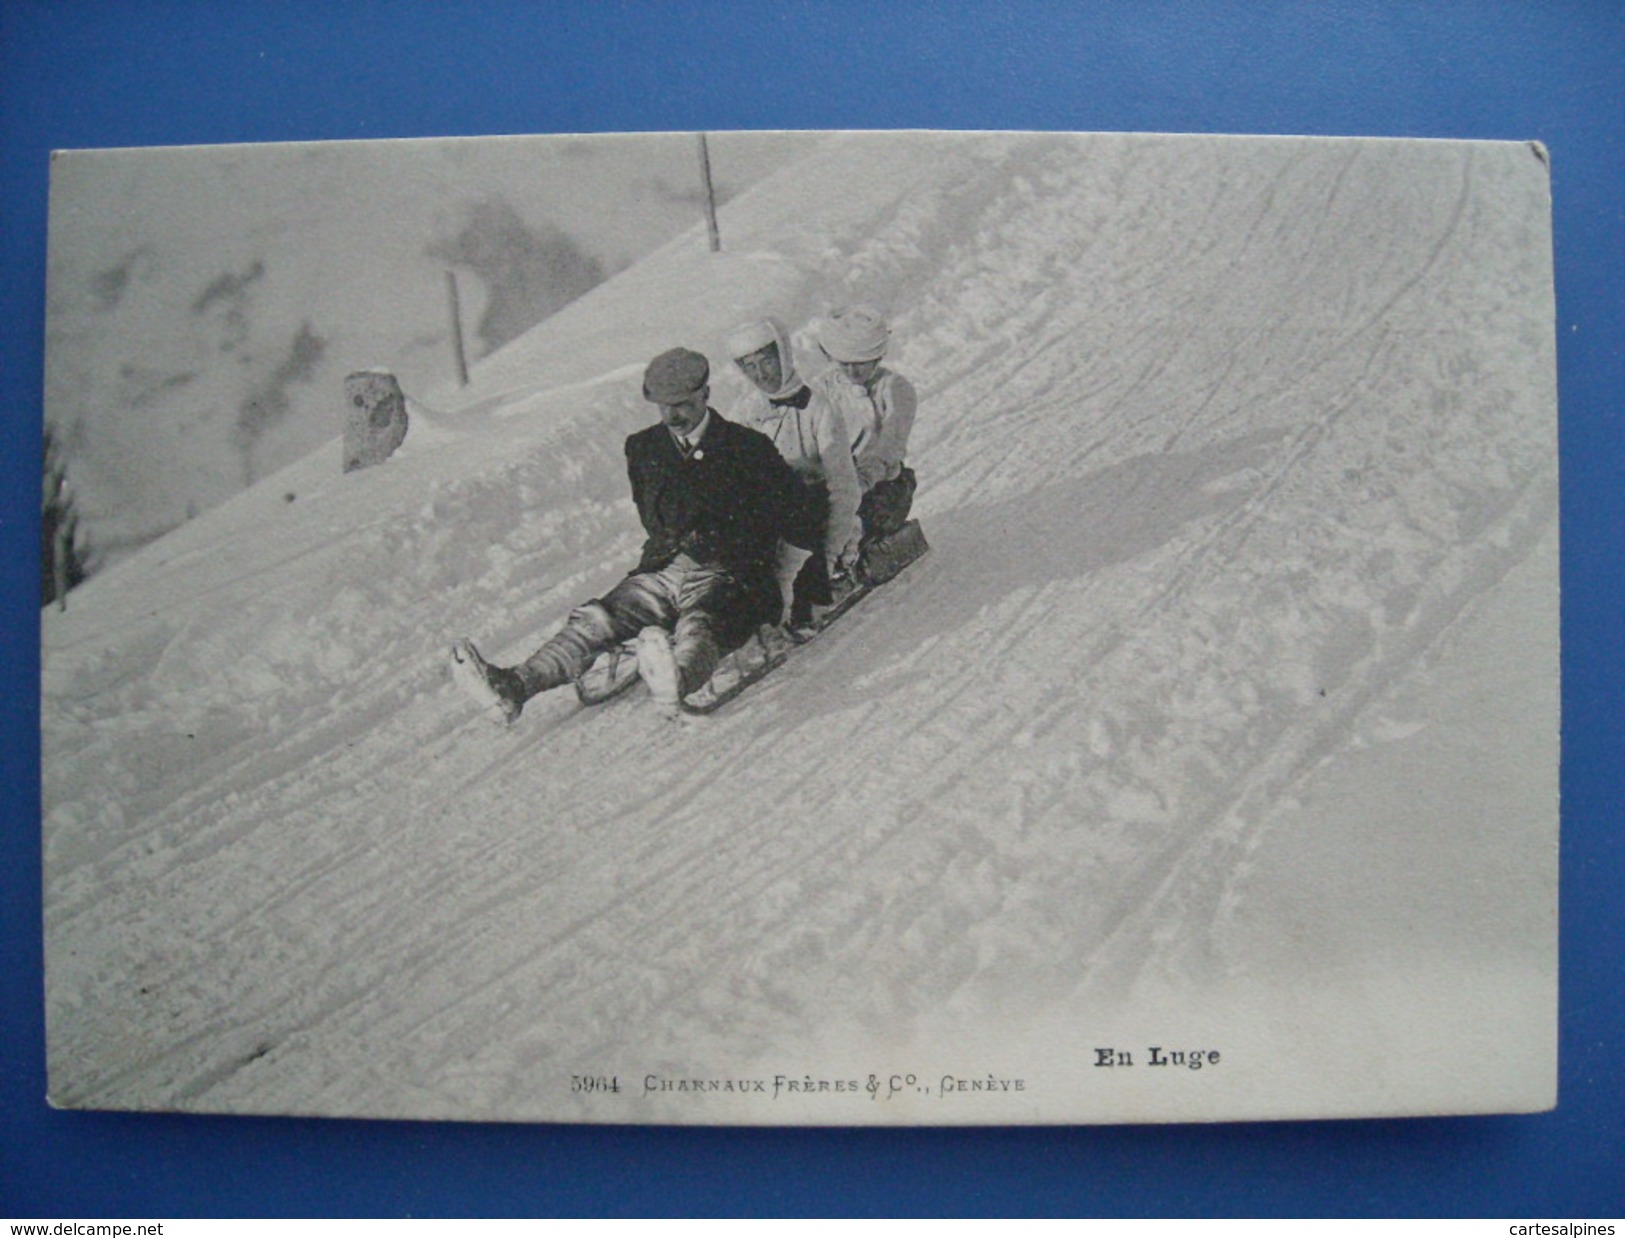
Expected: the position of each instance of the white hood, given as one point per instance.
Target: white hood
(758, 334)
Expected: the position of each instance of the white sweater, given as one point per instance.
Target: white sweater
(878, 416)
(815, 442)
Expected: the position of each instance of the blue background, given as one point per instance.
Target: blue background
(144, 72)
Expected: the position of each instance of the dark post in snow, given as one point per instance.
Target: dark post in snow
(710, 195)
(375, 420)
(61, 548)
(458, 353)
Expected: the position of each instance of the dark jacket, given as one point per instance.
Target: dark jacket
(728, 503)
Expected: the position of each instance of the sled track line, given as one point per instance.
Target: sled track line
(1374, 319)
(475, 927)
(1192, 879)
(194, 827)
(675, 879)
(335, 742)
(1198, 557)
(378, 828)
(679, 931)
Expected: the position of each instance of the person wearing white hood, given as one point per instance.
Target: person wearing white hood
(878, 406)
(814, 440)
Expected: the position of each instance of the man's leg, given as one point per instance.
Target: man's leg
(712, 619)
(812, 587)
(636, 602)
(696, 648)
(589, 631)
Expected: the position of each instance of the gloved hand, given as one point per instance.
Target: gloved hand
(845, 561)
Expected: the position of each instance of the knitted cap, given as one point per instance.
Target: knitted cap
(856, 334)
(675, 376)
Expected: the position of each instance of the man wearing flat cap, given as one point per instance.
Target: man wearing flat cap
(714, 498)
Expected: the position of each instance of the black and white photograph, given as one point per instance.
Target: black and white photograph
(849, 628)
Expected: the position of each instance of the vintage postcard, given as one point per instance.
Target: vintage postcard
(802, 628)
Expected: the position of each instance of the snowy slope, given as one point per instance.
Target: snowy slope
(1228, 449)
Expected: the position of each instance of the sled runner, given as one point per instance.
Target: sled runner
(617, 670)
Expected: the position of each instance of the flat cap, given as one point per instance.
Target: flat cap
(675, 376)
